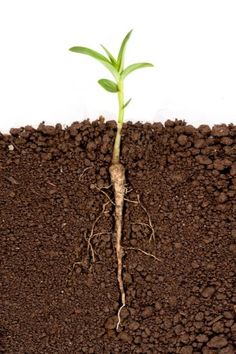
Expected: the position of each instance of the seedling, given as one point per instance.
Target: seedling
(117, 171)
(116, 68)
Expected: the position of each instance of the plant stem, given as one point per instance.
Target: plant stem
(116, 149)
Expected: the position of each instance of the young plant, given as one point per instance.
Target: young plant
(117, 171)
(119, 73)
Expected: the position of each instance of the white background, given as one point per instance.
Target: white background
(190, 42)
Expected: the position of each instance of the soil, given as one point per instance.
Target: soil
(53, 187)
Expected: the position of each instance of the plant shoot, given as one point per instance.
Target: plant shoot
(116, 67)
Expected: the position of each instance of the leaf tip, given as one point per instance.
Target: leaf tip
(129, 33)
(73, 49)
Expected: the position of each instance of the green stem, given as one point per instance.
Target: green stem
(116, 149)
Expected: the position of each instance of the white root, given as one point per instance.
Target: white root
(152, 237)
(144, 252)
(117, 173)
(86, 169)
(92, 234)
(149, 224)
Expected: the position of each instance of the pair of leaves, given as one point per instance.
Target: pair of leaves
(111, 86)
(115, 66)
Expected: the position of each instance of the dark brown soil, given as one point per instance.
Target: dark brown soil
(55, 300)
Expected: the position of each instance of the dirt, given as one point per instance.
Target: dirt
(54, 185)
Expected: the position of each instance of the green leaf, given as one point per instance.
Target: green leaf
(108, 85)
(96, 55)
(133, 67)
(110, 56)
(92, 53)
(120, 59)
(126, 104)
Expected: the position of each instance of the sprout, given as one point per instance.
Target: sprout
(119, 73)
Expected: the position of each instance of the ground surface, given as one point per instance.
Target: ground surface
(55, 300)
